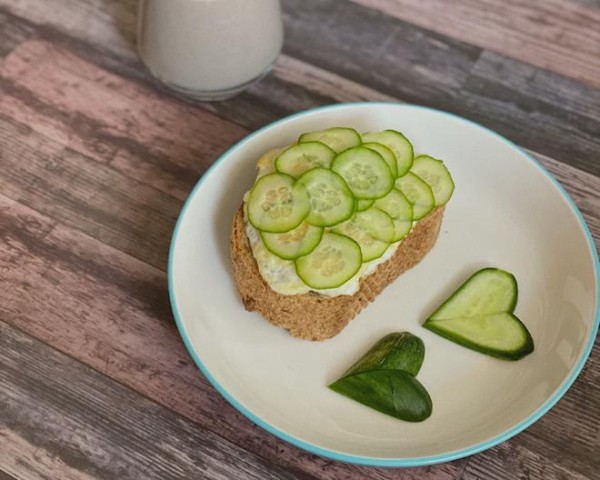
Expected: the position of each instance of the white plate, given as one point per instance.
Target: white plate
(507, 211)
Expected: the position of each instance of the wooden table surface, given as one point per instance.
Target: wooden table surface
(96, 160)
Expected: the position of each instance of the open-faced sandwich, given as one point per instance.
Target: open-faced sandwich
(330, 222)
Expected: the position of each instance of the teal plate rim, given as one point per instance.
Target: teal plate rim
(373, 461)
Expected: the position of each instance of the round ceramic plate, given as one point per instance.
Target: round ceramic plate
(507, 212)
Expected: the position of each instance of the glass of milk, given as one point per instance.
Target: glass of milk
(209, 49)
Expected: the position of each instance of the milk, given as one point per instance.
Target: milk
(210, 49)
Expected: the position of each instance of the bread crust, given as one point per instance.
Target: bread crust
(311, 316)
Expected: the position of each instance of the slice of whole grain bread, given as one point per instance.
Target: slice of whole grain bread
(316, 317)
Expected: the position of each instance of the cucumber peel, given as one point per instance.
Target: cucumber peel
(384, 378)
(480, 316)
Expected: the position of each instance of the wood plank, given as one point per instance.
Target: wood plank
(557, 113)
(110, 311)
(558, 35)
(373, 49)
(150, 136)
(6, 476)
(13, 32)
(111, 44)
(85, 194)
(64, 420)
(146, 135)
(582, 187)
(395, 67)
(509, 461)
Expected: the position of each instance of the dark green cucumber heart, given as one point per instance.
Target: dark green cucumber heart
(393, 392)
(396, 351)
(479, 316)
(384, 378)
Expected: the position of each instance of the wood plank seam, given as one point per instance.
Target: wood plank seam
(171, 420)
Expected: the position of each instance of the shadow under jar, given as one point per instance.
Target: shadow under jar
(209, 49)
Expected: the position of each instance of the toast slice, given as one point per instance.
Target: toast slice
(311, 316)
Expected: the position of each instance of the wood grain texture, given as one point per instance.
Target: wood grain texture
(60, 419)
(77, 191)
(142, 133)
(558, 35)
(397, 60)
(12, 33)
(414, 65)
(510, 95)
(509, 461)
(96, 158)
(110, 311)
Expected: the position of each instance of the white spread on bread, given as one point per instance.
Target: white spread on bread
(280, 274)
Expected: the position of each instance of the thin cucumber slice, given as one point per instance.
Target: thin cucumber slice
(293, 244)
(386, 154)
(303, 157)
(401, 229)
(397, 143)
(277, 203)
(435, 173)
(392, 392)
(500, 335)
(365, 172)
(397, 206)
(486, 292)
(330, 199)
(479, 316)
(362, 227)
(336, 260)
(362, 205)
(337, 138)
(376, 223)
(418, 193)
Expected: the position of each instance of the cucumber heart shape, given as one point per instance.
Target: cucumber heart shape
(384, 378)
(479, 316)
(393, 392)
(396, 351)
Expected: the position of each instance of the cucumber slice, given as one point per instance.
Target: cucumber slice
(396, 351)
(362, 205)
(392, 392)
(384, 378)
(486, 292)
(372, 229)
(435, 173)
(397, 143)
(277, 203)
(376, 223)
(293, 244)
(479, 316)
(365, 172)
(303, 157)
(418, 193)
(500, 335)
(336, 260)
(330, 199)
(337, 138)
(397, 206)
(386, 154)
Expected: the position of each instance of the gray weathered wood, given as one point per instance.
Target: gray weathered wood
(87, 426)
(107, 155)
(557, 112)
(111, 312)
(396, 58)
(13, 31)
(558, 35)
(99, 201)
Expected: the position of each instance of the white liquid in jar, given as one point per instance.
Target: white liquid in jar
(211, 49)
